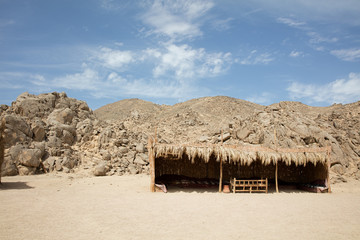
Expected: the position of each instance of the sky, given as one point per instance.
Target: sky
(169, 51)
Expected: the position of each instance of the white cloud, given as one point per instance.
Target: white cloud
(254, 58)
(102, 82)
(296, 54)
(176, 19)
(88, 79)
(188, 63)
(352, 54)
(19, 80)
(290, 22)
(115, 59)
(338, 91)
(222, 24)
(317, 38)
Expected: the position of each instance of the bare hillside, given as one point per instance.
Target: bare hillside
(51, 132)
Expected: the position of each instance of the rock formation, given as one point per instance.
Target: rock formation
(52, 132)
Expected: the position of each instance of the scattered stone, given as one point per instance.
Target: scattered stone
(123, 150)
(139, 160)
(100, 170)
(140, 148)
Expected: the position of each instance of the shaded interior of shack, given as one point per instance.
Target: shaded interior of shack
(183, 172)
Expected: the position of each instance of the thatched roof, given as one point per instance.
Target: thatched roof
(243, 154)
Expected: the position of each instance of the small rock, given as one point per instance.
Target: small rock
(132, 169)
(24, 170)
(203, 139)
(139, 160)
(58, 165)
(140, 148)
(100, 170)
(123, 150)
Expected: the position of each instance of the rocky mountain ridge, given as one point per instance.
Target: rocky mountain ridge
(52, 132)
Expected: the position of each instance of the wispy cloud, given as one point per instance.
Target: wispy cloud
(296, 54)
(317, 38)
(222, 24)
(290, 22)
(352, 54)
(325, 11)
(113, 5)
(176, 19)
(338, 91)
(88, 79)
(255, 58)
(6, 22)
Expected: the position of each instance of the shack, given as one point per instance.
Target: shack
(301, 166)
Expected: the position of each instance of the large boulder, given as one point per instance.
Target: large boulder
(64, 116)
(38, 129)
(17, 130)
(30, 157)
(31, 106)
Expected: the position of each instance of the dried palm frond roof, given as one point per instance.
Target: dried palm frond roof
(243, 154)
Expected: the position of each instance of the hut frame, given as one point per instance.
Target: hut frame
(242, 154)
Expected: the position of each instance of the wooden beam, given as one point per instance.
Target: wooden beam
(2, 143)
(221, 176)
(328, 169)
(276, 166)
(156, 140)
(152, 164)
(276, 178)
(221, 163)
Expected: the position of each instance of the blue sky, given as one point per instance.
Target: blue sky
(102, 51)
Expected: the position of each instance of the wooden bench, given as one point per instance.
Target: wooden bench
(237, 185)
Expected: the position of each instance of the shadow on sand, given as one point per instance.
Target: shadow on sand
(14, 185)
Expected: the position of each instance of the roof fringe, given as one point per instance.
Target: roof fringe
(243, 154)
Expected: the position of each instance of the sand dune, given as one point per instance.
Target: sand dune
(60, 206)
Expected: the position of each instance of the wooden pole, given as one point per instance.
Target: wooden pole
(2, 143)
(328, 169)
(276, 178)
(276, 166)
(152, 164)
(221, 163)
(156, 140)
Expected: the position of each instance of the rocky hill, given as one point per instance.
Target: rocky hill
(51, 132)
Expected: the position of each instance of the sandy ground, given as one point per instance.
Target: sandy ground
(73, 207)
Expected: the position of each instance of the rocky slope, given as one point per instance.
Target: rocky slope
(51, 132)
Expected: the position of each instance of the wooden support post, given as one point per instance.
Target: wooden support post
(2, 143)
(328, 169)
(276, 178)
(152, 164)
(220, 181)
(276, 166)
(221, 167)
(155, 137)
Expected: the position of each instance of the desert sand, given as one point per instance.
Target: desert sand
(60, 206)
